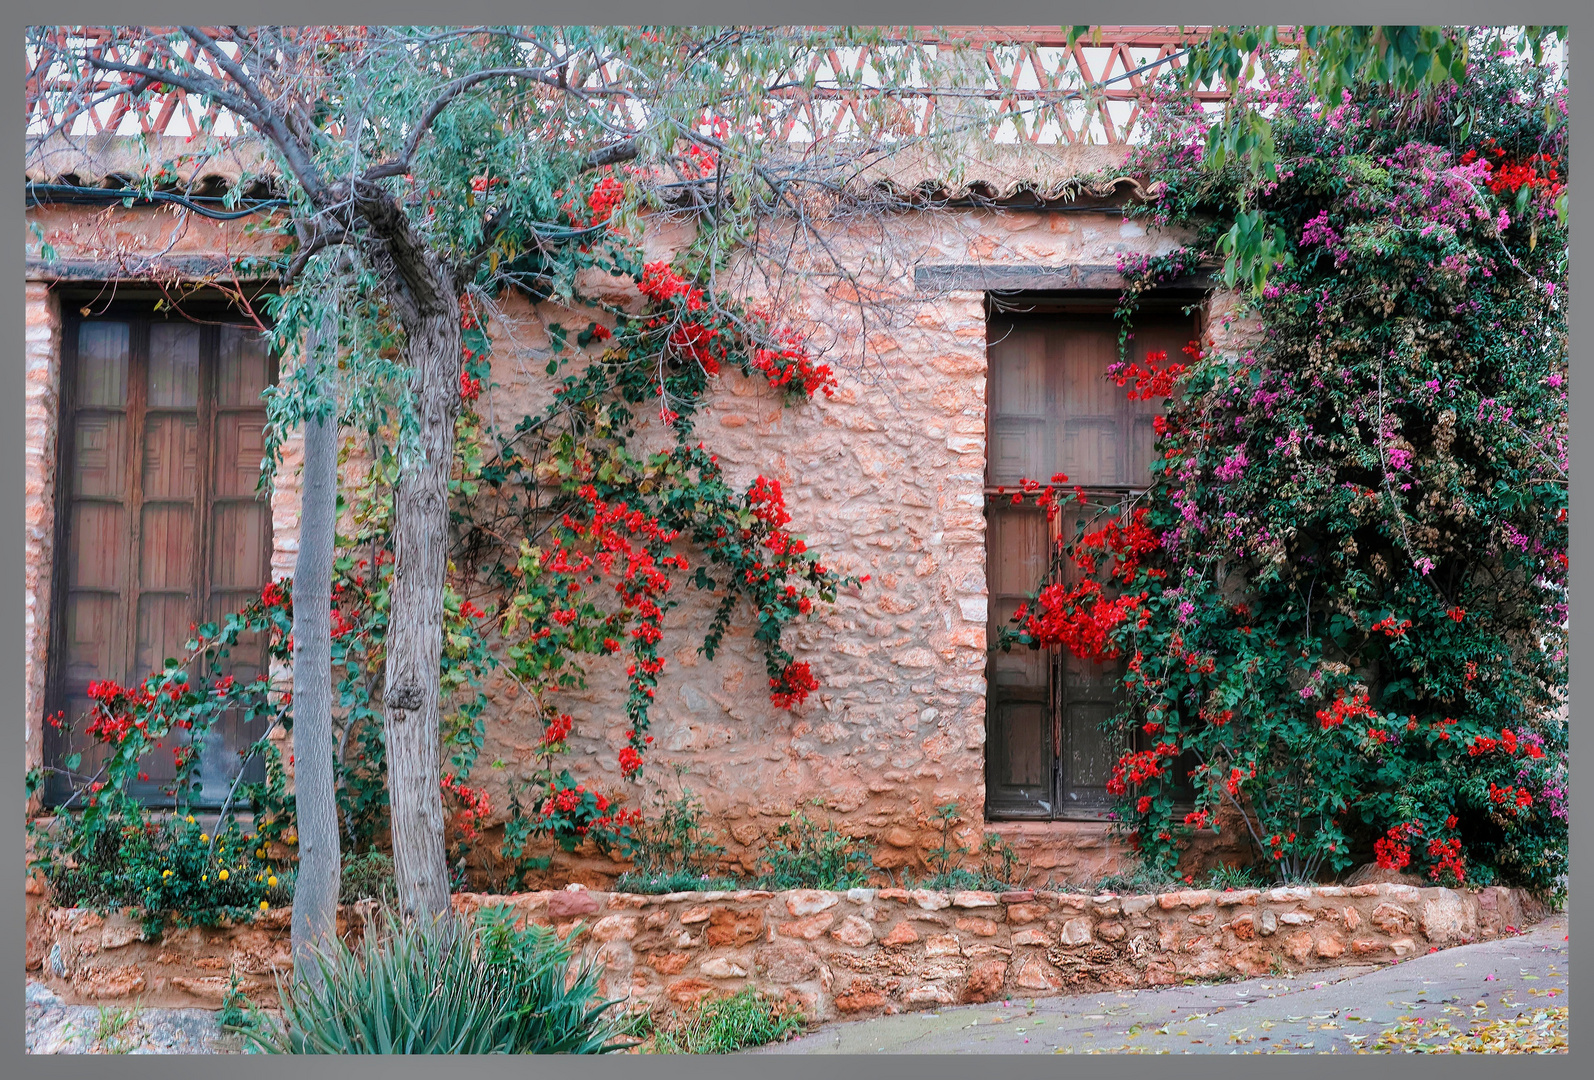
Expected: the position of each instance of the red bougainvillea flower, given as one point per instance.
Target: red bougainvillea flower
(1150, 381)
(1343, 709)
(793, 685)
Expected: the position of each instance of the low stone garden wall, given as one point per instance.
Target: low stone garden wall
(835, 954)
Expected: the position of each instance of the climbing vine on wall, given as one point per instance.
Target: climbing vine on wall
(570, 546)
(1345, 592)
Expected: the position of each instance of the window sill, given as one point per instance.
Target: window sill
(1008, 827)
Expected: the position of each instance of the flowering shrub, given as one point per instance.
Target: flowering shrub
(168, 867)
(1351, 597)
(102, 829)
(571, 813)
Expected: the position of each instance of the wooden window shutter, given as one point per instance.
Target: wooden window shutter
(162, 438)
(1052, 409)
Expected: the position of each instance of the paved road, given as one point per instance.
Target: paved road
(55, 1028)
(1505, 994)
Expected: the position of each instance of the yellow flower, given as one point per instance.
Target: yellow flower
(272, 881)
(190, 819)
(222, 875)
(264, 905)
(260, 853)
(166, 873)
(204, 877)
(204, 838)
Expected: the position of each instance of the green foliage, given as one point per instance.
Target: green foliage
(802, 854)
(675, 840)
(661, 882)
(1353, 599)
(556, 1006)
(167, 868)
(726, 1025)
(453, 988)
(243, 1019)
(1235, 877)
(111, 1025)
(1414, 66)
(367, 876)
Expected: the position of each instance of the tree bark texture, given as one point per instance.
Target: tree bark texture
(422, 293)
(315, 900)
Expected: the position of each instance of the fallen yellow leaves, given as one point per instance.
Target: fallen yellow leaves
(1542, 1031)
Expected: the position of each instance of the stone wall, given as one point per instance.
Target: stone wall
(43, 390)
(885, 479)
(859, 953)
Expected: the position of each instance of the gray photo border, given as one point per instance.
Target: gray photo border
(1006, 12)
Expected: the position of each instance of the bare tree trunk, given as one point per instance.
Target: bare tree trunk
(315, 899)
(415, 620)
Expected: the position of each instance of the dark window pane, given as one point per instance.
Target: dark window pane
(102, 353)
(240, 446)
(241, 367)
(97, 546)
(99, 456)
(173, 365)
(166, 542)
(171, 456)
(239, 539)
(95, 638)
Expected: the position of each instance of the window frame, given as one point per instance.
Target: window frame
(210, 313)
(1179, 302)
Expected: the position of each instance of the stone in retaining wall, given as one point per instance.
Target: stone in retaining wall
(856, 953)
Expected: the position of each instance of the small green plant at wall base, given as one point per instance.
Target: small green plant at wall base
(999, 862)
(368, 876)
(110, 1027)
(675, 881)
(238, 1015)
(997, 868)
(805, 855)
(943, 859)
(675, 841)
(726, 1025)
(1235, 877)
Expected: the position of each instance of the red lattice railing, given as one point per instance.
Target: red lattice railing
(1044, 89)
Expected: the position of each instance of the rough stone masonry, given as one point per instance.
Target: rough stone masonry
(857, 953)
(886, 479)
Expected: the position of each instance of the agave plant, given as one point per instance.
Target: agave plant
(556, 1010)
(416, 988)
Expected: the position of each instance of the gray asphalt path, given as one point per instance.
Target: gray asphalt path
(1346, 1010)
